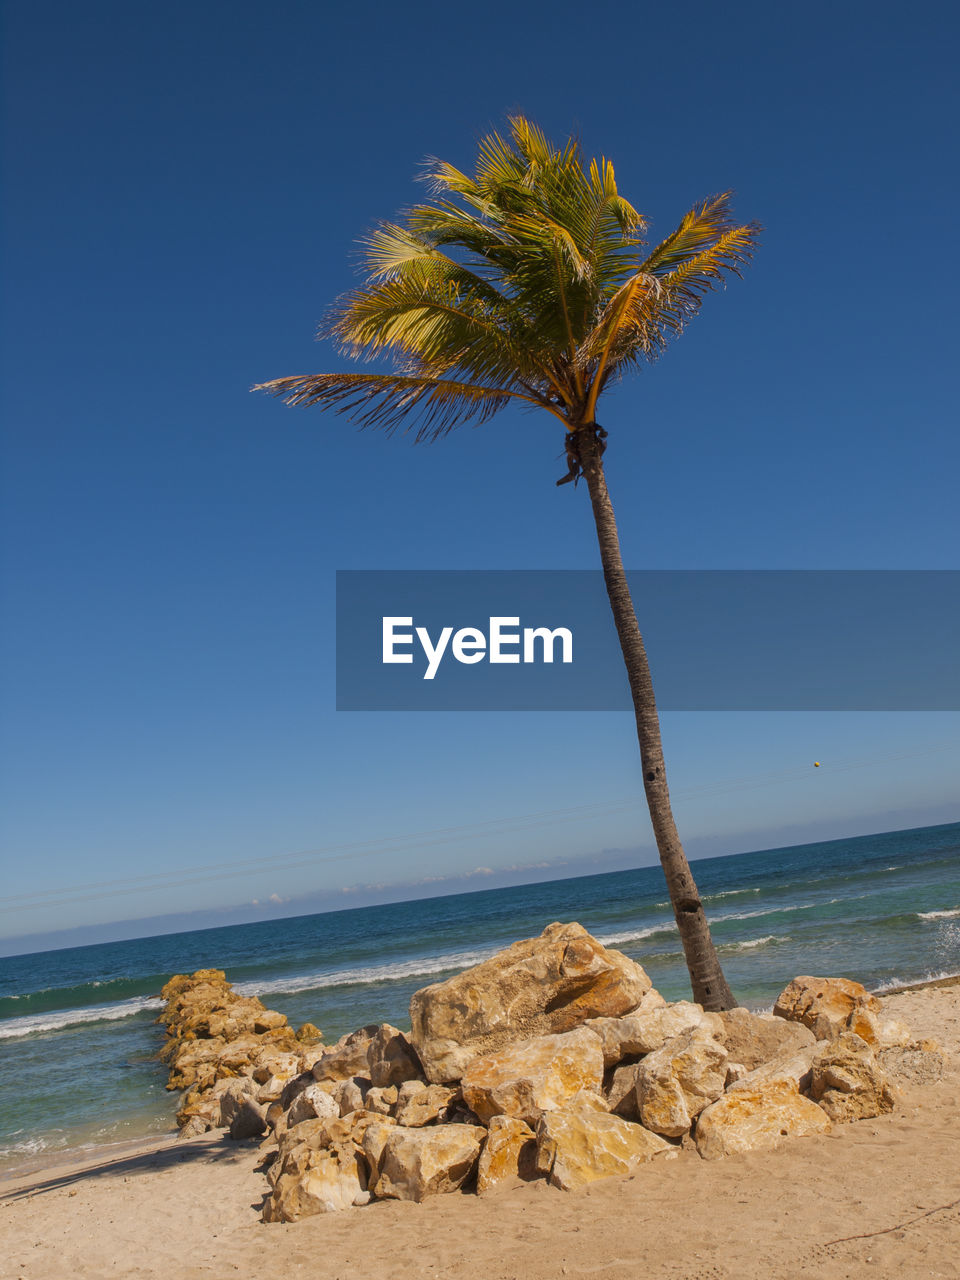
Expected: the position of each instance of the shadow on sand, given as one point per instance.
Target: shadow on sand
(212, 1149)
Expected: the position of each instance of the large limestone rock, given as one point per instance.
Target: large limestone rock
(393, 1059)
(382, 1101)
(757, 1119)
(581, 1145)
(419, 1104)
(848, 1082)
(350, 1095)
(879, 1032)
(540, 986)
(509, 1152)
(795, 1071)
(327, 1180)
(312, 1103)
(824, 1004)
(372, 1142)
(249, 1121)
(647, 1028)
(675, 1083)
(416, 1163)
(534, 1076)
(753, 1040)
(349, 1057)
(380, 1054)
(620, 1090)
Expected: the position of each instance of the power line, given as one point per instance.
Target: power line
(429, 837)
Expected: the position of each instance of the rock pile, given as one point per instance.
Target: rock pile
(232, 1055)
(554, 1059)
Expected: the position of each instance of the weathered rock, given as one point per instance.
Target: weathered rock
(249, 1121)
(416, 1163)
(274, 1075)
(534, 1076)
(309, 1034)
(230, 1098)
(753, 1040)
(272, 1061)
(349, 1096)
(879, 1032)
(192, 1127)
(918, 1062)
(823, 1004)
(392, 1058)
(330, 1180)
(423, 1105)
(675, 1083)
(276, 1121)
(350, 1056)
(649, 1027)
(381, 1101)
(372, 1141)
(583, 1144)
(541, 986)
(620, 1090)
(756, 1120)
(848, 1082)
(795, 1071)
(295, 1087)
(509, 1152)
(312, 1103)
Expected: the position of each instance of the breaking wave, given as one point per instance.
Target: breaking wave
(34, 1024)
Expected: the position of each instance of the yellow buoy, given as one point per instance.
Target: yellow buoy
(816, 764)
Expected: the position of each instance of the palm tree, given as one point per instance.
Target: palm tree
(526, 284)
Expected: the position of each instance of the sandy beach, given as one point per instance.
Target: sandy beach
(877, 1198)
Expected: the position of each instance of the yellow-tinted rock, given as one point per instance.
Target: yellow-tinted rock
(757, 1120)
(678, 1081)
(418, 1104)
(539, 986)
(416, 1163)
(848, 1082)
(824, 1004)
(753, 1040)
(581, 1145)
(326, 1181)
(646, 1029)
(795, 1071)
(509, 1152)
(534, 1076)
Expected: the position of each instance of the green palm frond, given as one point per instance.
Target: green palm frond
(701, 230)
(523, 279)
(431, 407)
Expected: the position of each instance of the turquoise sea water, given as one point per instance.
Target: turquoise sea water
(78, 1041)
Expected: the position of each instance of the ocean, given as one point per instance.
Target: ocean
(79, 1042)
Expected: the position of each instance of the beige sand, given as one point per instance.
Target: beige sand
(192, 1210)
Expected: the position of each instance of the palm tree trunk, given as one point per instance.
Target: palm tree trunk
(710, 987)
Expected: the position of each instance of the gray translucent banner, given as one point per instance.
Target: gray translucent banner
(718, 640)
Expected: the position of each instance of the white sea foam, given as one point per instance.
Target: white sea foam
(635, 935)
(751, 944)
(57, 1020)
(423, 965)
(894, 984)
(728, 893)
(774, 911)
(939, 915)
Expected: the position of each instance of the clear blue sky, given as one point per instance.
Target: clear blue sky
(184, 187)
